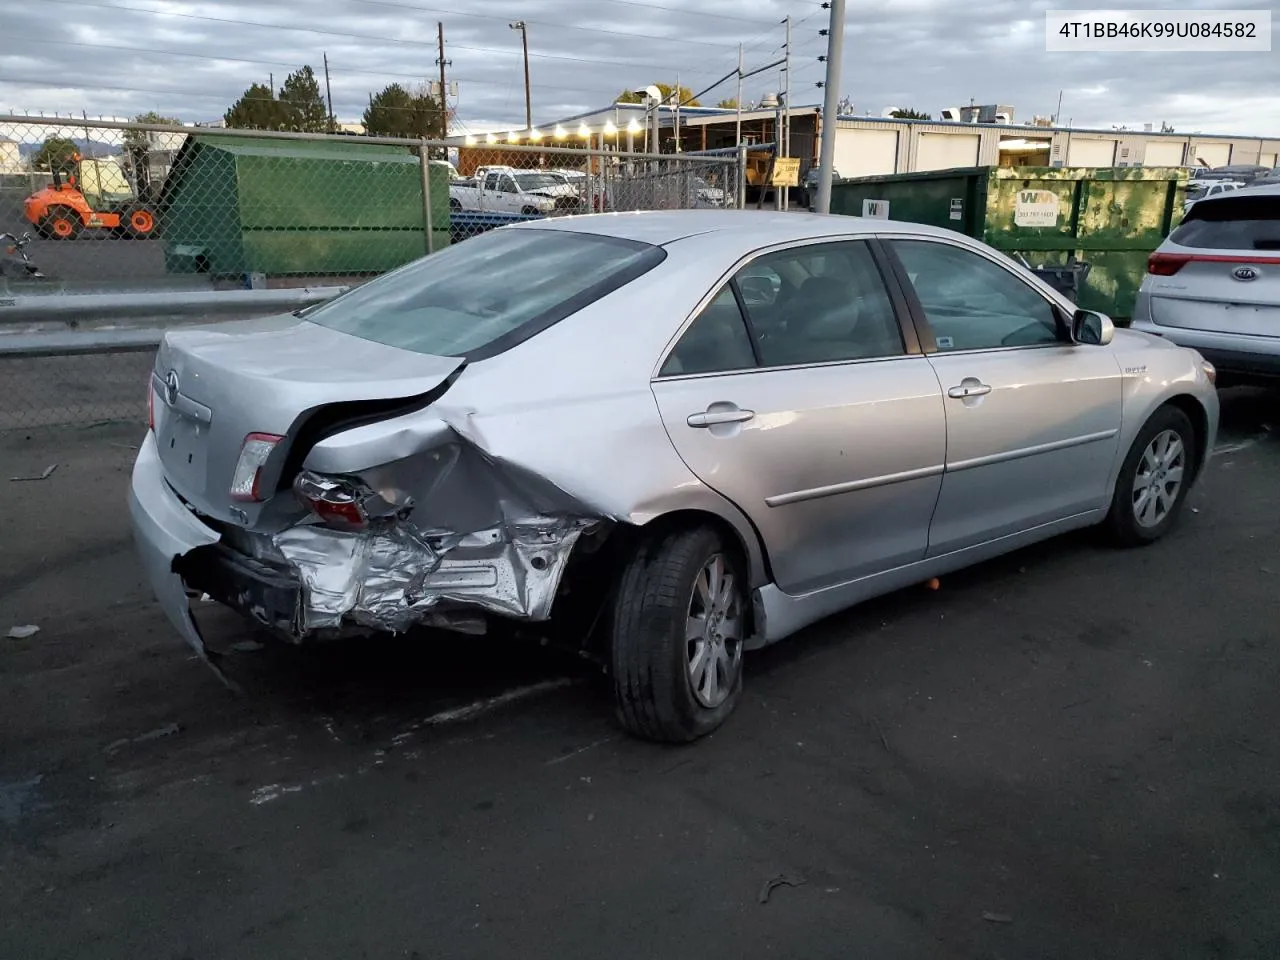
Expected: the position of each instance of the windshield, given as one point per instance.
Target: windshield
(537, 181)
(489, 292)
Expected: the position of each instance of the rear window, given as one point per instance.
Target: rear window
(1231, 222)
(484, 295)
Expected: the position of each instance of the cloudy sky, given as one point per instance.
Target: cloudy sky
(117, 58)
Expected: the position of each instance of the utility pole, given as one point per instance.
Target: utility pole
(528, 99)
(675, 127)
(786, 106)
(328, 93)
(444, 90)
(830, 104)
(737, 142)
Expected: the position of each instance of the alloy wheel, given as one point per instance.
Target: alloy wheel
(1159, 478)
(713, 633)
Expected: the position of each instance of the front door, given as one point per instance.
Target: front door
(794, 395)
(1033, 419)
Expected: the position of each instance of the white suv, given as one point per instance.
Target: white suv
(1214, 285)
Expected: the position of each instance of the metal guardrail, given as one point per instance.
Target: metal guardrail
(179, 306)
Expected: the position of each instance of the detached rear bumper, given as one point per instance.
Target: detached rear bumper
(164, 529)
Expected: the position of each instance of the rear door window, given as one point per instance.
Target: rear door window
(1231, 221)
(481, 296)
(819, 303)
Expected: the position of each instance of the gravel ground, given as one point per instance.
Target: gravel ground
(1068, 752)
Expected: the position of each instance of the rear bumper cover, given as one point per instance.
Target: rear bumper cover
(163, 530)
(1230, 353)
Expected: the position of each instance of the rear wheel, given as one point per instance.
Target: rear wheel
(530, 211)
(678, 629)
(138, 222)
(455, 204)
(61, 223)
(1154, 479)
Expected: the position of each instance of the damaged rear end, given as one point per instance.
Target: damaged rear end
(301, 470)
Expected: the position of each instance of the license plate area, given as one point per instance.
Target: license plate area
(184, 445)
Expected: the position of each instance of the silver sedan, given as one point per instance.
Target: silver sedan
(672, 437)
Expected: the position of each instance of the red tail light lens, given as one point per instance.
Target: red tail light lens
(334, 500)
(246, 481)
(1166, 264)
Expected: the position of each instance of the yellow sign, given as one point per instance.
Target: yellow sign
(786, 172)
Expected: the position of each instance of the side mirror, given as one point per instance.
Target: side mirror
(1089, 326)
(757, 290)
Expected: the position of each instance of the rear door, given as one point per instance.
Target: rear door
(794, 393)
(1033, 419)
(1219, 271)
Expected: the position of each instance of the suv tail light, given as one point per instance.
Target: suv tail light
(1166, 264)
(245, 482)
(151, 403)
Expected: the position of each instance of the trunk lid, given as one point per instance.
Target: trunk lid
(1220, 290)
(216, 385)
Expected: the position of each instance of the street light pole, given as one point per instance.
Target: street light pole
(528, 99)
(830, 105)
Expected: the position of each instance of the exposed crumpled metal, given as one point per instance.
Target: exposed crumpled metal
(392, 575)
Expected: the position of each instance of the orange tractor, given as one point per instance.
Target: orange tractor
(89, 194)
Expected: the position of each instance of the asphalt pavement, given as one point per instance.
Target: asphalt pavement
(1068, 752)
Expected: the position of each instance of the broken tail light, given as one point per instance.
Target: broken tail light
(246, 481)
(338, 502)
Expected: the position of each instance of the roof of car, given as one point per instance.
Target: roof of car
(665, 226)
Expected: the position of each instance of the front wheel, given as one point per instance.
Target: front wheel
(679, 623)
(62, 223)
(1154, 479)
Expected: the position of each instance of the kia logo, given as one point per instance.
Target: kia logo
(1245, 273)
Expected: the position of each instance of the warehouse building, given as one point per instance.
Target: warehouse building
(867, 146)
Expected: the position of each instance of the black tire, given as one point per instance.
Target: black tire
(455, 204)
(531, 211)
(1122, 523)
(650, 657)
(62, 223)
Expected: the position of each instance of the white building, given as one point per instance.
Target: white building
(11, 157)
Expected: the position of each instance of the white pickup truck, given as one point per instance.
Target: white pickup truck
(500, 191)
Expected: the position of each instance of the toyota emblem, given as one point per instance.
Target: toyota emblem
(1245, 273)
(171, 387)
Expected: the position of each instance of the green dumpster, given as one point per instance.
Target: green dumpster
(1111, 218)
(235, 206)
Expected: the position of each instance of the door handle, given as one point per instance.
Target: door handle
(714, 417)
(973, 388)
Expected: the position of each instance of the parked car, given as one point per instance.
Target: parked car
(1200, 189)
(605, 443)
(1241, 172)
(1214, 284)
(522, 192)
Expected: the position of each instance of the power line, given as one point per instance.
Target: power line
(43, 83)
(381, 3)
(287, 63)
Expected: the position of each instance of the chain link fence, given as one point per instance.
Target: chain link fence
(110, 226)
